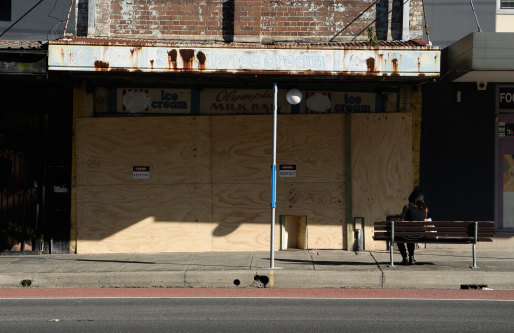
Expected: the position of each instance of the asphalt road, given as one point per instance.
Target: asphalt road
(254, 315)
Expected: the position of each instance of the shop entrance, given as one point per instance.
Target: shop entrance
(293, 232)
(21, 157)
(506, 174)
(35, 160)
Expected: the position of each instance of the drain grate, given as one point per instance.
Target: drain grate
(473, 286)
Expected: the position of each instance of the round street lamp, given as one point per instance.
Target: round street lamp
(294, 96)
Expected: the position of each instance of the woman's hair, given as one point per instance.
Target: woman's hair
(416, 198)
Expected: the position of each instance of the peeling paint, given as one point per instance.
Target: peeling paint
(338, 7)
(99, 65)
(135, 55)
(188, 56)
(370, 63)
(201, 60)
(380, 57)
(200, 4)
(172, 59)
(395, 67)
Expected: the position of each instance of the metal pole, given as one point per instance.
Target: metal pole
(273, 177)
(475, 240)
(392, 242)
(476, 18)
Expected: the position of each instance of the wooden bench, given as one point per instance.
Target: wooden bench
(442, 232)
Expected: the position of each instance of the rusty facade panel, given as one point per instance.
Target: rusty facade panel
(379, 62)
(104, 41)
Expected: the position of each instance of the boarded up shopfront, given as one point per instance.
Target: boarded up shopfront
(207, 187)
(171, 167)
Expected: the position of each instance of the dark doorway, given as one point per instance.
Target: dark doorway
(35, 163)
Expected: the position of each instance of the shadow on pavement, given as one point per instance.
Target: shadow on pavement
(324, 262)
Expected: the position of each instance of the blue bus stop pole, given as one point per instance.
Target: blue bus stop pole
(273, 178)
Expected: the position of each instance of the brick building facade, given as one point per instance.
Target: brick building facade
(258, 21)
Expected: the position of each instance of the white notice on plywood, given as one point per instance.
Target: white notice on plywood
(141, 172)
(287, 171)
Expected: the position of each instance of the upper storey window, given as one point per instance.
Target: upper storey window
(506, 4)
(5, 10)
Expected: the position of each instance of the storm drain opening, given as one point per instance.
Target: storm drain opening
(263, 279)
(26, 283)
(473, 286)
(237, 282)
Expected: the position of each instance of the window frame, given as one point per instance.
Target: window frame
(503, 11)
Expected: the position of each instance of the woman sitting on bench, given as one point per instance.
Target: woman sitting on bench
(415, 210)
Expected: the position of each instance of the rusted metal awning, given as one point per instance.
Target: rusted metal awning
(405, 59)
(23, 57)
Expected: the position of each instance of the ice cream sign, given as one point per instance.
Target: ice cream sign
(134, 100)
(339, 102)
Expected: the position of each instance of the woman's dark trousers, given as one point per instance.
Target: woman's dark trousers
(403, 251)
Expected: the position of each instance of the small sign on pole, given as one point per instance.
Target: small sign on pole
(287, 171)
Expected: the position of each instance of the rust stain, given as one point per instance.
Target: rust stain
(151, 63)
(172, 59)
(419, 64)
(395, 67)
(370, 62)
(188, 56)
(118, 70)
(380, 61)
(100, 65)
(137, 51)
(201, 60)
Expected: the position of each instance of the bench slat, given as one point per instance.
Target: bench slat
(448, 223)
(459, 232)
(433, 234)
(437, 240)
(434, 226)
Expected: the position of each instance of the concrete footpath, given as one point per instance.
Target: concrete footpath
(435, 269)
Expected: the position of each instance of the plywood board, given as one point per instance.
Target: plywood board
(228, 212)
(242, 178)
(177, 150)
(242, 214)
(315, 144)
(149, 218)
(242, 147)
(324, 206)
(381, 158)
(242, 217)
